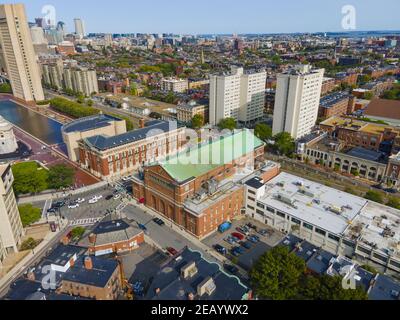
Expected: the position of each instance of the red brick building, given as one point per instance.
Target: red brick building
(114, 236)
(116, 156)
(200, 189)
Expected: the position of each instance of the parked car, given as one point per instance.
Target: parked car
(243, 230)
(252, 226)
(59, 204)
(238, 236)
(98, 197)
(263, 232)
(117, 196)
(224, 227)
(109, 197)
(231, 240)
(53, 227)
(254, 239)
(220, 249)
(246, 244)
(173, 252)
(159, 221)
(93, 201)
(80, 200)
(237, 251)
(231, 269)
(73, 205)
(52, 210)
(391, 190)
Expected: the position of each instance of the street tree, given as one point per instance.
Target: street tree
(277, 273)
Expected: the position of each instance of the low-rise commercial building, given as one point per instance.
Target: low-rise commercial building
(357, 133)
(111, 157)
(175, 85)
(186, 111)
(333, 220)
(115, 236)
(11, 229)
(201, 188)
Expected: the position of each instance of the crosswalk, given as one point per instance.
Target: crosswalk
(85, 222)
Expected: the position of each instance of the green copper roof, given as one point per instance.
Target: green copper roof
(198, 161)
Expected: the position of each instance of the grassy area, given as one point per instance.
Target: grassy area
(77, 110)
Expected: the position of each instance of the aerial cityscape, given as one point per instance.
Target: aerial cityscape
(227, 165)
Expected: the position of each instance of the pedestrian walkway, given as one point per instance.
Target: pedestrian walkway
(58, 195)
(85, 222)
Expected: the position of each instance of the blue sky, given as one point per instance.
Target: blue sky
(219, 16)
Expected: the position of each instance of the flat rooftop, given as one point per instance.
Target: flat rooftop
(366, 154)
(197, 161)
(377, 226)
(357, 125)
(327, 208)
(89, 123)
(332, 99)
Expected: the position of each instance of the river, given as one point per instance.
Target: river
(39, 126)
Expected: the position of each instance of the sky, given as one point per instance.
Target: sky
(219, 16)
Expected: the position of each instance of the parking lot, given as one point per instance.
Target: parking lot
(249, 256)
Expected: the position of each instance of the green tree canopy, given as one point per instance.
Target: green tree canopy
(374, 196)
(197, 121)
(394, 203)
(227, 123)
(5, 88)
(329, 288)
(284, 143)
(263, 131)
(29, 244)
(77, 232)
(29, 214)
(277, 273)
(61, 176)
(29, 178)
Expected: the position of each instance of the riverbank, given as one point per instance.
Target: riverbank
(45, 111)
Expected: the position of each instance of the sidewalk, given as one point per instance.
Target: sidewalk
(57, 195)
(13, 274)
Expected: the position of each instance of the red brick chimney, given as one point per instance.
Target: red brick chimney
(92, 238)
(88, 263)
(141, 123)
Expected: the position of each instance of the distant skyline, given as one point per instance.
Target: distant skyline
(219, 16)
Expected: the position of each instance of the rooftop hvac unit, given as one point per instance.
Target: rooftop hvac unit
(335, 209)
(206, 287)
(306, 192)
(285, 199)
(212, 186)
(189, 270)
